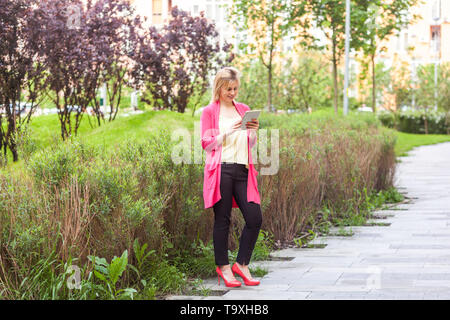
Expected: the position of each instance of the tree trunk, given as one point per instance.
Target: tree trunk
(447, 122)
(11, 132)
(335, 82)
(374, 107)
(270, 67)
(269, 98)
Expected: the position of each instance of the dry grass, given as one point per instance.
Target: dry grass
(327, 169)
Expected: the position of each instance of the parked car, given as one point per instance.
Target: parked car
(364, 109)
(71, 108)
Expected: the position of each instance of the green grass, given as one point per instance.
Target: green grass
(45, 131)
(407, 141)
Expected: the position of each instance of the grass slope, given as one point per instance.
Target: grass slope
(407, 141)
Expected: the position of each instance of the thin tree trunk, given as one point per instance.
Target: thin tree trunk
(447, 122)
(269, 102)
(335, 83)
(11, 132)
(270, 67)
(374, 107)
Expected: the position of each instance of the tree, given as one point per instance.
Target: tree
(365, 80)
(329, 16)
(113, 28)
(400, 88)
(175, 62)
(83, 47)
(425, 89)
(21, 70)
(444, 93)
(384, 18)
(304, 82)
(268, 23)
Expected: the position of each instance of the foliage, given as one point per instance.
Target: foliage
(299, 84)
(109, 274)
(267, 24)
(416, 121)
(401, 85)
(329, 17)
(174, 63)
(425, 88)
(20, 69)
(383, 20)
(305, 85)
(366, 79)
(81, 55)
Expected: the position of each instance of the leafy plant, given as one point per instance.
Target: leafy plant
(110, 273)
(141, 256)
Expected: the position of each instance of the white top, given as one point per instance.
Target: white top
(235, 146)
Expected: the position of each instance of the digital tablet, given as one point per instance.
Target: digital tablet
(248, 116)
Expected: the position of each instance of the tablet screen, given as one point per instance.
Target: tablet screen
(248, 116)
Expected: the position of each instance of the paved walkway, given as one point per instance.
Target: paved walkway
(409, 259)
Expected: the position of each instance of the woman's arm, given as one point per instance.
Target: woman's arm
(253, 126)
(211, 137)
(209, 134)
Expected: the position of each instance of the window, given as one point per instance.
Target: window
(435, 38)
(397, 42)
(209, 11)
(436, 10)
(218, 14)
(405, 43)
(157, 9)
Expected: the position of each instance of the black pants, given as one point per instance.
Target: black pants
(233, 182)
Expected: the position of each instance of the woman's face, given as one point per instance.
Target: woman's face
(229, 92)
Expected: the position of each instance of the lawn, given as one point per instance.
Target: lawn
(408, 141)
(45, 130)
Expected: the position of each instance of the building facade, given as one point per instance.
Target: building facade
(157, 13)
(428, 39)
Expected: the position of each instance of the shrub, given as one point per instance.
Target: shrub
(417, 121)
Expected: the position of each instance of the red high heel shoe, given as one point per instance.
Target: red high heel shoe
(247, 281)
(232, 283)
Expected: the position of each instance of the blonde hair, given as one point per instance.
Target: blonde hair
(223, 77)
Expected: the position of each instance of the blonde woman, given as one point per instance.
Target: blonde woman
(230, 176)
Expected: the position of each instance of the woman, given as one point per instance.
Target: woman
(230, 176)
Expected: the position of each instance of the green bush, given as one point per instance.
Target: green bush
(417, 121)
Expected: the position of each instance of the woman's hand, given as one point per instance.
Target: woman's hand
(235, 127)
(253, 125)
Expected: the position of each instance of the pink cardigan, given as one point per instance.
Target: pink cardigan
(209, 123)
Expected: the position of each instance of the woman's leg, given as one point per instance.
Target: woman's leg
(222, 216)
(252, 216)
